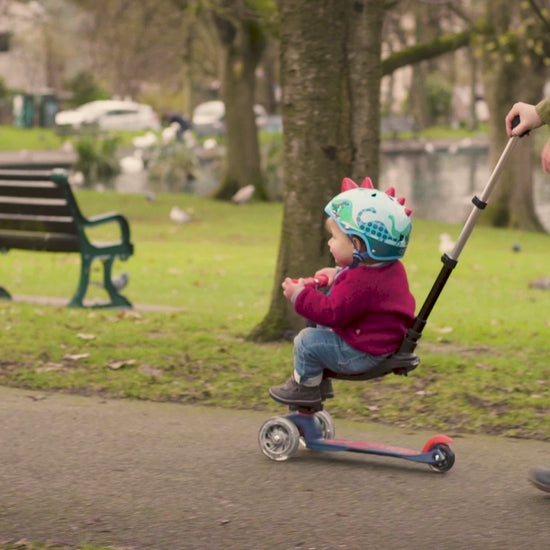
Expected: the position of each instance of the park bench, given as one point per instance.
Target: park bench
(39, 212)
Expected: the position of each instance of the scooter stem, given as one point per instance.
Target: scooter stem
(450, 260)
(481, 202)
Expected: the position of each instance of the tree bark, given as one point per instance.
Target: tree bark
(364, 42)
(243, 43)
(511, 204)
(330, 69)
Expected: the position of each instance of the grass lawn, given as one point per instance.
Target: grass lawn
(484, 351)
(16, 139)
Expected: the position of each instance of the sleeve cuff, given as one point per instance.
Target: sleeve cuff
(295, 295)
(543, 110)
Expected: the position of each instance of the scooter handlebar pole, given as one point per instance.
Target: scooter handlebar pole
(450, 260)
(481, 202)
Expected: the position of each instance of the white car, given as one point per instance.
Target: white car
(109, 115)
(209, 118)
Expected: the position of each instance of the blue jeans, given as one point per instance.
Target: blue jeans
(319, 348)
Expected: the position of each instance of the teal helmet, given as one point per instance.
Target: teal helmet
(376, 217)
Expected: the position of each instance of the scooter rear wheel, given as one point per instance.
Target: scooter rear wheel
(328, 430)
(447, 458)
(279, 438)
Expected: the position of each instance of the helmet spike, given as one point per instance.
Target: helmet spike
(347, 184)
(401, 200)
(408, 211)
(390, 191)
(367, 184)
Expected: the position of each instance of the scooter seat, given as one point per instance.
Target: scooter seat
(400, 363)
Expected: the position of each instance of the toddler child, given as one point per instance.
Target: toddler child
(363, 317)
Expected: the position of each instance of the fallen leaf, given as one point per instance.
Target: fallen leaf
(86, 336)
(129, 314)
(114, 365)
(76, 356)
(50, 367)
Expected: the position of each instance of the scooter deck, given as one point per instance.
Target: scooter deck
(311, 430)
(429, 457)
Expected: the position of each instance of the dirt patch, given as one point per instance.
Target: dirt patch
(449, 347)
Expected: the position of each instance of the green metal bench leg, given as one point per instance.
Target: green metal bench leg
(4, 294)
(85, 267)
(117, 299)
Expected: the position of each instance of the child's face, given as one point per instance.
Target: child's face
(340, 244)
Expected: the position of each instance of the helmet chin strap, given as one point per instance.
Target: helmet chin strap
(358, 256)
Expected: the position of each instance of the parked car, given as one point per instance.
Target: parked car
(109, 115)
(209, 118)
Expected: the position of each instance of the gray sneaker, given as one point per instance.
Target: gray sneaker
(540, 478)
(292, 393)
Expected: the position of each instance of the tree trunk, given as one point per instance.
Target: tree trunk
(242, 41)
(270, 70)
(364, 41)
(329, 49)
(511, 204)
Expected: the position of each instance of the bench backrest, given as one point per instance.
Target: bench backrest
(37, 211)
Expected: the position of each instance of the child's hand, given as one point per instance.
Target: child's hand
(290, 286)
(329, 272)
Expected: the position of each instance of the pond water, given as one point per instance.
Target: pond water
(438, 184)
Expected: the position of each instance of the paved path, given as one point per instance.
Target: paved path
(170, 477)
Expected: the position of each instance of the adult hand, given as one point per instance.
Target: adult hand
(528, 119)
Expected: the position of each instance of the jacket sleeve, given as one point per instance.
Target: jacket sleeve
(543, 110)
(342, 306)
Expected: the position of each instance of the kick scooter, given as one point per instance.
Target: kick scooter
(280, 436)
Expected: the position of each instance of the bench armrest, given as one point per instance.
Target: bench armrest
(110, 217)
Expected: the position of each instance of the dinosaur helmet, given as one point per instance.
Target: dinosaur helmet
(376, 217)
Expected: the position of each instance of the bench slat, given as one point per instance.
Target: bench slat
(31, 207)
(43, 190)
(25, 175)
(48, 242)
(40, 224)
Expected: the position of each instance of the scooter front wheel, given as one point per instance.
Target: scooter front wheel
(446, 458)
(279, 438)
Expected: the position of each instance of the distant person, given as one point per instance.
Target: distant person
(368, 307)
(531, 117)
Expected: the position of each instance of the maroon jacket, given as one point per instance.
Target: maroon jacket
(370, 308)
